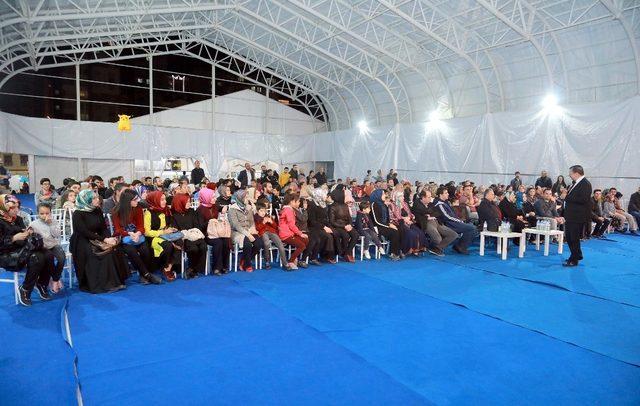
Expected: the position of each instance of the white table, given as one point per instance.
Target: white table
(547, 238)
(503, 242)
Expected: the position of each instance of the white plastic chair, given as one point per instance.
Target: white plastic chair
(15, 280)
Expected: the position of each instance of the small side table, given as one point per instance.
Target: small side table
(503, 242)
(547, 238)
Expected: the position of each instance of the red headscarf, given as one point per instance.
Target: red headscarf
(153, 199)
(179, 203)
(212, 186)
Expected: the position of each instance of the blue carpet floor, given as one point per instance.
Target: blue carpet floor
(36, 364)
(456, 330)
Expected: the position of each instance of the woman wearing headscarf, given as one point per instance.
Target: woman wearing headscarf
(157, 220)
(98, 271)
(345, 235)
(319, 225)
(220, 247)
(184, 218)
(224, 199)
(13, 237)
(243, 230)
(509, 212)
(382, 220)
(412, 239)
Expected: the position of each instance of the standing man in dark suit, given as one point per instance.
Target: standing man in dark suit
(246, 176)
(577, 212)
(197, 173)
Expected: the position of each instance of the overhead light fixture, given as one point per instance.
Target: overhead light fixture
(434, 115)
(550, 101)
(362, 126)
(550, 105)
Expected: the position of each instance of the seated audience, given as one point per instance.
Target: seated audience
(440, 235)
(447, 217)
(128, 224)
(14, 235)
(184, 218)
(217, 231)
(382, 220)
(365, 229)
(268, 231)
(289, 233)
(546, 209)
(157, 227)
(224, 199)
(110, 203)
(634, 206)
(243, 230)
(509, 212)
(319, 225)
(345, 235)
(620, 213)
(488, 211)
(50, 232)
(46, 194)
(412, 239)
(99, 263)
(69, 200)
(597, 214)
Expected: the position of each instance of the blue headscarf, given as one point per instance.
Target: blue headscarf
(376, 198)
(519, 200)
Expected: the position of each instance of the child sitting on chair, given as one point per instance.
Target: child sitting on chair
(50, 231)
(268, 231)
(366, 230)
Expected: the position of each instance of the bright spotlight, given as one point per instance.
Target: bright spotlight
(550, 101)
(362, 126)
(435, 122)
(550, 105)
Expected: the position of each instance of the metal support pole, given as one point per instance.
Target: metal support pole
(266, 112)
(150, 89)
(78, 91)
(213, 97)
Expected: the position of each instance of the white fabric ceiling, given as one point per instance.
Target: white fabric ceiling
(384, 61)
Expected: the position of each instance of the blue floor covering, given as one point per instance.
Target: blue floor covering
(456, 330)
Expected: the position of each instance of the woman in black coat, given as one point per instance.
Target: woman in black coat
(184, 218)
(319, 223)
(97, 272)
(13, 237)
(511, 213)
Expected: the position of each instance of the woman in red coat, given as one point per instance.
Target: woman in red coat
(128, 223)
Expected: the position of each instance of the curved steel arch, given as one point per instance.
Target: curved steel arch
(617, 14)
(445, 43)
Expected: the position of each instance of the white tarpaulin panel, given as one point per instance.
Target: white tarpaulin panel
(602, 137)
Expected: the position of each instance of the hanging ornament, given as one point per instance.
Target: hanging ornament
(124, 124)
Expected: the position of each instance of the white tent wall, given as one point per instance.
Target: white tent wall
(603, 137)
(244, 111)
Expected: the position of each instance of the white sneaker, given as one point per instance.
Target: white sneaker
(381, 251)
(367, 255)
(292, 265)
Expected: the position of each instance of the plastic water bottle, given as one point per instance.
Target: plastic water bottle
(538, 224)
(508, 227)
(484, 227)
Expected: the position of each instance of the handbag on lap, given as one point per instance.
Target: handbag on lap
(217, 228)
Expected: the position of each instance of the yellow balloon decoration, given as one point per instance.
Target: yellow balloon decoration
(123, 123)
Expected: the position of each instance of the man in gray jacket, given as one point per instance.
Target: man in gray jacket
(546, 209)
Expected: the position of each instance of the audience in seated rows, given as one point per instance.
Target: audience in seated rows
(153, 222)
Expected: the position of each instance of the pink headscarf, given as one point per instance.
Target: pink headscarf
(206, 197)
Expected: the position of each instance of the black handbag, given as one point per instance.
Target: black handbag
(17, 260)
